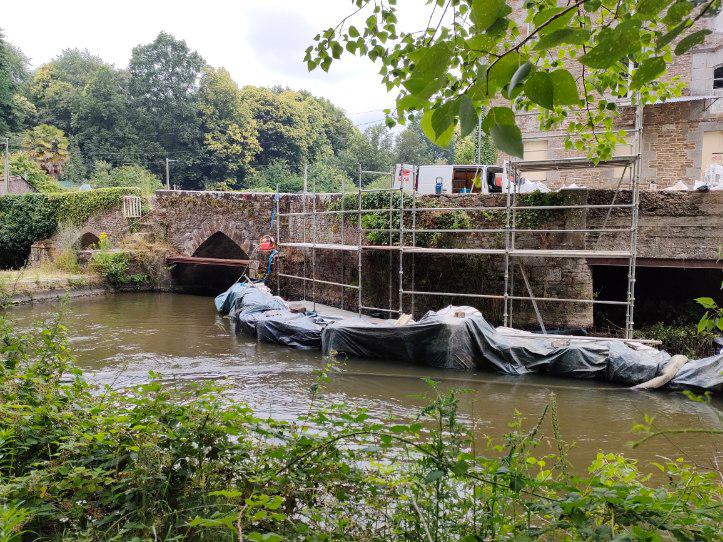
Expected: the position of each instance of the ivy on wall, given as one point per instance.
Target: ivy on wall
(27, 218)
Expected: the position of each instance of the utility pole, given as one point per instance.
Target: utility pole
(168, 173)
(7, 165)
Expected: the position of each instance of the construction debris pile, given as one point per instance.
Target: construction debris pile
(461, 338)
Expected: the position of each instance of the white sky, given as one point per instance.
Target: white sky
(261, 42)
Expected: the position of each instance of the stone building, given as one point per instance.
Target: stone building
(681, 137)
(18, 185)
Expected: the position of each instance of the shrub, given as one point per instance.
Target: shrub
(24, 165)
(153, 462)
(135, 176)
(684, 340)
(28, 218)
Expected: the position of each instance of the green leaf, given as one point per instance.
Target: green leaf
(498, 115)
(612, 45)
(507, 138)
(443, 138)
(538, 88)
(430, 61)
(669, 36)
(336, 50)
(561, 22)
(485, 12)
(575, 36)
(434, 475)
(353, 32)
(648, 9)
(467, 116)
(649, 70)
(502, 71)
(677, 11)
(690, 41)
(706, 302)
(522, 72)
(564, 88)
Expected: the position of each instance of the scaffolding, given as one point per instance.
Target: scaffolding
(403, 236)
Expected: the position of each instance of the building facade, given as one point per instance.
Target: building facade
(680, 138)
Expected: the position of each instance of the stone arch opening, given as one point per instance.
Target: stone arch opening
(208, 278)
(88, 240)
(220, 245)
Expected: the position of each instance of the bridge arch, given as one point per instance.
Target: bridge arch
(212, 242)
(219, 245)
(213, 236)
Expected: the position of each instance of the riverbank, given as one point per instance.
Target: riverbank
(34, 284)
(373, 472)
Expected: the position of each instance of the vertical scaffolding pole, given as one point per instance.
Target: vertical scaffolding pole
(414, 242)
(303, 233)
(278, 234)
(401, 247)
(359, 252)
(391, 257)
(505, 176)
(343, 267)
(635, 194)
(313, 247)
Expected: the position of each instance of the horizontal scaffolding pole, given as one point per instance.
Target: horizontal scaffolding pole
(393, 311)
(516, 297)
(500, 230)
(576, 337)
(375, 172)
(321, 246)
(319, 281)
(525, 207)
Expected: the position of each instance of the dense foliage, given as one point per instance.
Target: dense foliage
(29, 218)
(81, 118)
(154, 462)
(487, 59)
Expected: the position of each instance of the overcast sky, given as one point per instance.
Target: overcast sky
(261, 42)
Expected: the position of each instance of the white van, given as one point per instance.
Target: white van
(449, 179)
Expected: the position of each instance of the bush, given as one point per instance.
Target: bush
(28, 218)
(134, 176)
(24, 165)
(156, 463)
(684, 340)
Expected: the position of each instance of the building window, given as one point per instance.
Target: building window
(718, 77)
(535, 150)
(712, 150)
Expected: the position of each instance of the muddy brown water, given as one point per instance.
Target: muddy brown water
(118, 339)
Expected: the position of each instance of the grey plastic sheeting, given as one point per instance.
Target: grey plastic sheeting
(246, 323)
(295, 330)
(225, 301)
(445, 341)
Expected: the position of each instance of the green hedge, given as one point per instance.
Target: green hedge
(28, 218)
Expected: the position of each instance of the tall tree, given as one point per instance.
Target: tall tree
(230, 137)
(102, 119)
(164, 77)
(56, 87)
(411, 146)
(283, 126)
(14, 108)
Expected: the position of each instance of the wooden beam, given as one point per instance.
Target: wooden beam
(659, 262)
(193, 260)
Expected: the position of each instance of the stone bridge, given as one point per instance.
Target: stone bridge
(678, 248)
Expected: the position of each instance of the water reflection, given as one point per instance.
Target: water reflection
(119, 339)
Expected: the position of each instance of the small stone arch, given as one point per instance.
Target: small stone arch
(87, 240)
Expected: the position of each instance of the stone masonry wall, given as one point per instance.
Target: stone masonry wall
(680, 225)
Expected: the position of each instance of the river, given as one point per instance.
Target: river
(118, 339)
